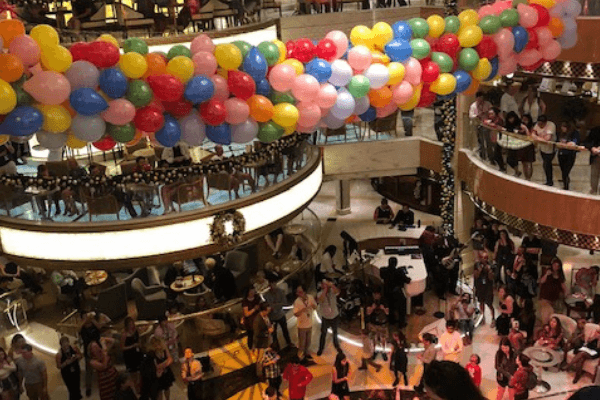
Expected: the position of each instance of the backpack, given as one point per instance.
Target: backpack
(532, 380)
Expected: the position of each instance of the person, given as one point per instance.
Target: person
(427, 241)
(298, 377)
(484, 286)
(588, 350)
(191, 373)
(426, 358)
(514, 275)
(125, 387)
(505, 364)
(121, 196)
(101, 362)
(383, 213)
(89, 332)
(277, 300)
(474, 369)
(220, 280)
(131, 348)
(274, 240)
(552, 286)
(405, 217)
(339, 376)
(463, 313)
(566, 158)
(451, 342)
(32, 372)
(17, 344)
(527, 154)
(507, 303)
(503, 255)
(576, 340)
(492, 124)
(250, 307)
(533, 247)
(53, 195)
(301, 249)
(551, 335)
(377, 317)
(447, 380)
(142, 165)
(70, 284)
(368, 350)
(83, 10)
(167, 332)
(270, 363)
(532, 104)
(327, 268)
(492, 235)
(478, 112)
(446, 276)
(262, 328)
(520, 380)
(592, 143)
(516, 337)
(7, 163)
(162, 360)
(399, 358)
(67, 361)
(8, 381)
(330, 314)
(303, 308)
(270, 394)
(586, 393)
(508, 102)
(545, 131)
(513, 124)
(177, 156)
(478, 231)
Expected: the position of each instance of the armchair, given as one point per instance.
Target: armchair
(150, 301)
(112, 302)
(140, 273)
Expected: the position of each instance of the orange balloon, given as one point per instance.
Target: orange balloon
(472, 89)
(156, 65)
(261, 108)
(11, 67)
(10, 29)
(68, 107)
(136, 139)
(380, 97)
(556, 27)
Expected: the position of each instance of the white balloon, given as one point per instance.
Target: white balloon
(51, 141)
(82, 74)
(572, 8)
(378, 75)
(332, 122)
(341, 73)
(344, 105)
(88, 129)
(193, 130)
(362, 105)
(566, 42)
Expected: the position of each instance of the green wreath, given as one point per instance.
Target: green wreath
(218, 233)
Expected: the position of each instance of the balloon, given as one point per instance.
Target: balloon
(419, 27)
(241, 85)
(112, 82)
(463, 80)
(270, 52)
(468, 17)
(382, 34)
(327, 50)
(166, 87)
(383, 112)
(396, 72)
(470, 36)
(220, 134)
(83, 74)
(11, 67)
(551, 50)
(309, 114)
(413, 71)
(327, 96)
(521, 38)
(170, 133)
(378, 75)
(139, 93)
(149, 119)
(51, 141)
(443, 60)
(106, 37)
(244, 132)
(320, 69)
(527, 16)
(544, 35)
(101, 54)
(359, 57)
(177, 51)
(181, 67)
(135, 45)
(285, 114)
(436, 25)
(412, 102)
(213, 112)
(56, 118)
(237, 111)
(285, 97)
(340, 40)
(380, 97)
(431, 71)
(509, 18)
(369, 115)
(87, 101)
(202, 43)
(263, 88)
(529, 57)
(360, 34)
(305, 88)
(119, 112)
(133, 65)
(361, 105)
(104, 144)
(8, 98)
(88, 129)
(178, 108)
(269, 132)
(449, 44)
(344, 105)
(255, 65)
(261, 108)
(420, 48)
(228, 56)
(121, 134)
(487, 48)
(490, 24)
(505, 41)
(26, 49)
(341, 73)
(444, 84)
(482, 70)
(12, 28)
(566, 42)
(199, 89)
(243, 46)
(221, 90)
(399, 50)
(543, 16)
(546, 3)
(282, 77)
(485, 11)
(204, 63)
(495, 65)
(75, 143)
(358, 87)
(22, 121)
(193, 130)
(451, 24)
(572, 8)
(556, 27)
(48, 87)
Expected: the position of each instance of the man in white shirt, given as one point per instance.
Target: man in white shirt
(451, 342)
(546, 131)
(478, 112)
(330, 314)
(304, 305)
(508, 102)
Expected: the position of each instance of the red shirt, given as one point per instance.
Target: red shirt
(475, 373)
(143, 168)
(519, 380)
(298, 378)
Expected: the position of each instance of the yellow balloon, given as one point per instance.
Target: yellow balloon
(298, 66)
(482, 70)
(56, 58)
(470, 36)
(360, 34)
(382, 34)
(56, 118)
(444, 84)
(105, 37)
(75, 143)
(436, 25)
(396, 71)
(414, 100)
(544, 3)
(468, 17)
(289, 130)
(45, 35)
(377, 57)
(282, 50)
(133, 65)
(285, 115)
(181, 67)
(4, 139)
(8, 97)
(228, 56)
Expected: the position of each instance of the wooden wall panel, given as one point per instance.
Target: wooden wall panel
(587, 49)
(431, 155)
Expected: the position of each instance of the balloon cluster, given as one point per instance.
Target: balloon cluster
(96, 92)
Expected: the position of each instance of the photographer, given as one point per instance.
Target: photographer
(330, 314)
(463, 312)
(377, 315)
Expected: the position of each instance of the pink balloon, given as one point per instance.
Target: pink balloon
(326, 97)
(305, 88)
(221, 90)
(551, 50)
(402, 93)
(389, 109)
(306, 129)
(309, 114)
(544, 35)
(26, 49)
(48, 87)
(505, 41)
(204, 63)
(507, 65)
(202, 43)
(413, 71)
(282, 77)
(119, 112)
(529, 57)
(341, 42)
(359, 58)
(503, 5)
(527, 15)
(237, 111)
(486, 10)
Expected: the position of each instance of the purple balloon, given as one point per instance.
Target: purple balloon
(82, 74)
(193, 130)
(244, 132)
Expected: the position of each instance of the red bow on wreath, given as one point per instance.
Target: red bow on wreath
(10, 8)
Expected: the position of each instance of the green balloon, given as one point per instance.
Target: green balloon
(509, 17)
(443, 60)
(420, 48)
(243, 46)
(139, 93)
(359, 86)
(269, 132)
(23, 98)
(179, 50)
(420, 27)
(468, 59)
(452, 24)
(135, 45)
(490, 24)
(282, 97)
(121, 133)
(270, 51)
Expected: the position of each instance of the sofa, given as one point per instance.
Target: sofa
(569, 325)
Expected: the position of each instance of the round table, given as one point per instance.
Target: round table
(187, 283)
(543, 357)
(295, 229)
(95, 277)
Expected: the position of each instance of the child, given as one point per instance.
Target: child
(367, 352)
(399, 359)
(427, 357)
(474, 369)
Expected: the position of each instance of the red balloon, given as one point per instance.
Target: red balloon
(79, 51)
(543, 15)
(156, 103)
(289, 47)
(487, 48)
(326, 50)
(430, 73)
(433, 42)
(166, 87)
(534, 66)
(427, 97)
(102, 54)
(105, 144)
(304, 51)
(449, 44)
(241, 85)
(213, 112)
(178, 108)
(533, 42)
(149, 119)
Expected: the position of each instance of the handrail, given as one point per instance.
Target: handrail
(526, 138)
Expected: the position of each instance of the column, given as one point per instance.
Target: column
(342, 197)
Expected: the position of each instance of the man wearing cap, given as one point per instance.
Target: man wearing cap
(191, 372)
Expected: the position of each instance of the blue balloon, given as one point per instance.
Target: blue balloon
(170, 133)
(521, 38)
(398, 50)
(446, 97)
(402, 30)
(86, 101)
(495, 65)
(320, 69)
(369, 115)
(113, 83)
(255, 65)
(220, 134)
(199, 89)
(463, 80)
(263, 88)
(22, 121)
